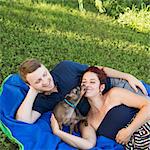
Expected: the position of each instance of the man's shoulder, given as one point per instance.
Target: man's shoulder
(70, 65)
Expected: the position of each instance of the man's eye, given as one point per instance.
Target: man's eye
(37, 82)
(45, 74)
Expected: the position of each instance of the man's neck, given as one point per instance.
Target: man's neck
(51, 91)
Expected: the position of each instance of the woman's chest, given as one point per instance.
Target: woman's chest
(95, 119)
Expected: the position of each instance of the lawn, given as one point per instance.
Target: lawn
(59, 31)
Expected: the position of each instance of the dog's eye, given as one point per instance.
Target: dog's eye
(74, 91)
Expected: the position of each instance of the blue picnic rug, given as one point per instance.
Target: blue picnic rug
(37, 136)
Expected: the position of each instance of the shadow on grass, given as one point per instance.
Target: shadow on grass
(68, 21)
(31, 26)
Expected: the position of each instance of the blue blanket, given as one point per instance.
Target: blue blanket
(39, 135)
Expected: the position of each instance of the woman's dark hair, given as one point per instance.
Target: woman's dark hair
(99, 72)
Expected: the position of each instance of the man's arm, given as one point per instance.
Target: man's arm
(25, 112)
(133, 81)
(123, 96)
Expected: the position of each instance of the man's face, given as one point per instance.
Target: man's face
(41, 79)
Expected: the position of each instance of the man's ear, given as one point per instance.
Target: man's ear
(102, 87)
(27, 83)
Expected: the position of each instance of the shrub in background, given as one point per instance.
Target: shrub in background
(113, 7)
(136, 19)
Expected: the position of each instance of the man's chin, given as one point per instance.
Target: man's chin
(46, 89)
(43, 90)
(49, 89)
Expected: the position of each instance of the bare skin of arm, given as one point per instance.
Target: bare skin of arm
(25, 112)
(87, 141)
(133, 81)
(123, 96)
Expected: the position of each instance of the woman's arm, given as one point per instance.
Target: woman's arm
(123, 96)
(87, 141)
(133, 81)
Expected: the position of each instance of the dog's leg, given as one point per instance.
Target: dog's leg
(81, 118)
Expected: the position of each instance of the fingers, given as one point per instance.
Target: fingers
(141, 86)
(54, 124)
(53, 118)
(135, 88)
(118, 140)
(121, 140)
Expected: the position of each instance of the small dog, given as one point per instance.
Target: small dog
(66, 112)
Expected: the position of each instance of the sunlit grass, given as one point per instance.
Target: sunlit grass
(138, 20)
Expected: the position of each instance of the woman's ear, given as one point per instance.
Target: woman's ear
(102, 87)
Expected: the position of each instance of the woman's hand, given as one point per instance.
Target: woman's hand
(54, 124)
(134, 83)
(123, 136)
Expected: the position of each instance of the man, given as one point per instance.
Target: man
(48, 88)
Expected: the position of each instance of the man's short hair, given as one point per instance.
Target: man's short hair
(28, 66)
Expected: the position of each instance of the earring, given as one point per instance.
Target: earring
(100, 93)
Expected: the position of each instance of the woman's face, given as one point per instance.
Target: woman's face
(92, 84)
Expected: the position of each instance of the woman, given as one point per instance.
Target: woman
(101, 104)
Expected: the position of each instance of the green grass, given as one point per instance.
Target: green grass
(136, 19)
(58, 31)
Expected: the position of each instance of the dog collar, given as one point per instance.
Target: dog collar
(70, 104)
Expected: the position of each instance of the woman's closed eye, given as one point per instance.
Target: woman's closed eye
(83, 83)
(92, 82)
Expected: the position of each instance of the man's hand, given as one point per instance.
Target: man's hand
(123, 136)
(34, 90)
(134, 83)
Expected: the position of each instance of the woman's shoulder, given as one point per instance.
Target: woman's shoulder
(115, 91)
(114, 95)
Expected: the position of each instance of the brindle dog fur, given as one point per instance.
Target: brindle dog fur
(65, 114)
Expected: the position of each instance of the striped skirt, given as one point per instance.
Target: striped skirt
(140, 139)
